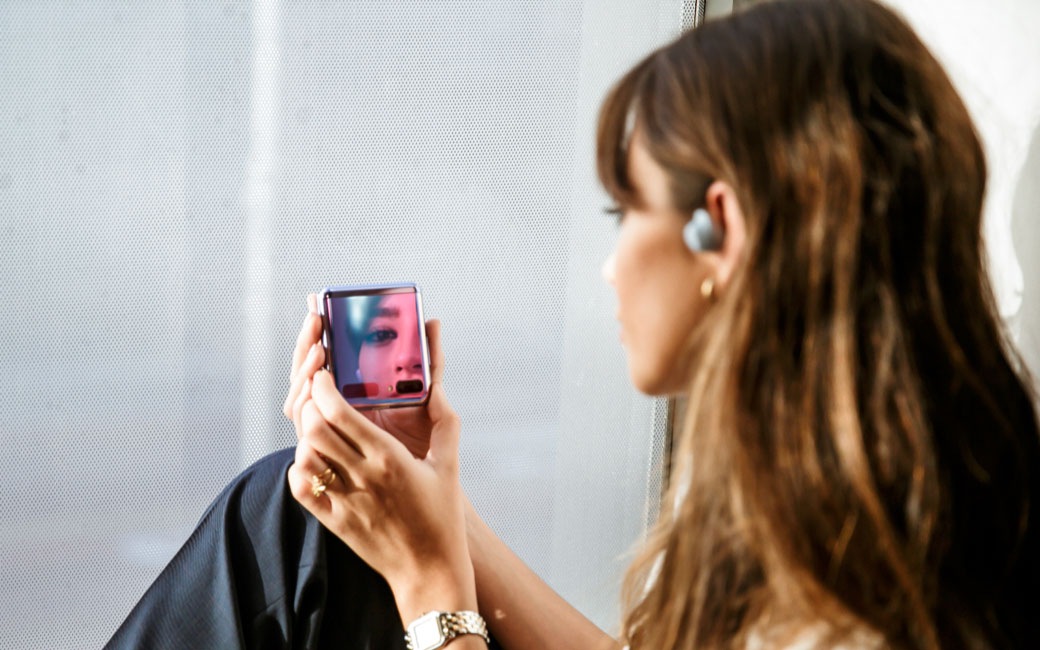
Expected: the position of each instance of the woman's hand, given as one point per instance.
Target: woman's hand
(411, 425)
(402, 515)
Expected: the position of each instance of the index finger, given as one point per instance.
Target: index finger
(348, 422)
(309, 334)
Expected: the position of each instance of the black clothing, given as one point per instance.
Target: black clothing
(260, 572)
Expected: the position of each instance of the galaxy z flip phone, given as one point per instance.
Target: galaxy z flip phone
(375, 344)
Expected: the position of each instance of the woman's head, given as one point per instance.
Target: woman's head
(653, 269)
(851, 404)
(835, 131)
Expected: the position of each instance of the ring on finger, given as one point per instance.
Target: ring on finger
(320, 482)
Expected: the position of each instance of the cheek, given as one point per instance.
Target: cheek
(632, 264)
(658, 311)
(369, 360)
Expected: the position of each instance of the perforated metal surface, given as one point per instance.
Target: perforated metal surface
(693, 12)
(176, 176)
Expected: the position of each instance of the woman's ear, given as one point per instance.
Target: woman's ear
(724, 209)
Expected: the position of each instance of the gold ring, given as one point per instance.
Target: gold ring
(321, 482)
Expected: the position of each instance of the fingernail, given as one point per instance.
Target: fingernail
(312, 303)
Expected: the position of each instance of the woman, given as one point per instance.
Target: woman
(860, 463)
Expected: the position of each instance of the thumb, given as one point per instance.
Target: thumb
(433, 338)
(444, 436)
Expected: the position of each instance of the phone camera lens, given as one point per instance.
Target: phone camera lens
(409, 386)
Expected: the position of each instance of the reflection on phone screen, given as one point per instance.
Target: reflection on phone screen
(378, 349)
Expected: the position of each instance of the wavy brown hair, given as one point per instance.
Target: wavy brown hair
(861, 454)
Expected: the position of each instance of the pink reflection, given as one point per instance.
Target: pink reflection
(390, 349)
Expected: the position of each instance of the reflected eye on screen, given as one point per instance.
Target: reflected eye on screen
(380, 336)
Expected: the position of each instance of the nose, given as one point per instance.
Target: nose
(409, 355)
(607, 269)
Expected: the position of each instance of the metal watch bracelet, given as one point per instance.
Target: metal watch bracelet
(435, 629)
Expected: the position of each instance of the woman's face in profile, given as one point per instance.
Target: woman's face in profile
(655, 277)
(390, 349)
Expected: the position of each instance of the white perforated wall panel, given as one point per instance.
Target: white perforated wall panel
(175, 176)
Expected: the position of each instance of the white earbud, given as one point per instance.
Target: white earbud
(701, 233)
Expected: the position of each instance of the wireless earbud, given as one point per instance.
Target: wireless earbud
(701, 233)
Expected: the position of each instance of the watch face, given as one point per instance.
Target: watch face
(426, 632)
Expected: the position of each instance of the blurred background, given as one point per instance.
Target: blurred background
(177, 175)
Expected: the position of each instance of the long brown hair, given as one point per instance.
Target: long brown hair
(861, 456)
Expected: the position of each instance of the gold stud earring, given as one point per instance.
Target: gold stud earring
(708, 288)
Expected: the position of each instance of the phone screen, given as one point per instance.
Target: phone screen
(376, 344)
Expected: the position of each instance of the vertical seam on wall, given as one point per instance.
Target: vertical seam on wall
(692, 14)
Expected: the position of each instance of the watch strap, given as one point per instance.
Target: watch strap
(452, 624)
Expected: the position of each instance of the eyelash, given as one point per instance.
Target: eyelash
(615, 211)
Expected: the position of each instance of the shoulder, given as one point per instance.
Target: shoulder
(271, 467)
(259, 488)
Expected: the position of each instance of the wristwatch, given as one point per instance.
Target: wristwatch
(434, 629)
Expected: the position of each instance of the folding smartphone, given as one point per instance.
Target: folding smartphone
(375, 344)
